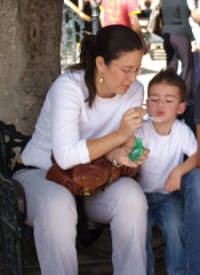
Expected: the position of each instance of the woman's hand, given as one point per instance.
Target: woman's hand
(131, 120)
(121, 157)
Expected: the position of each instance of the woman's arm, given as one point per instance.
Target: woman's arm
(131, 121)
(68, 111)
(184, 12)
(195, 15)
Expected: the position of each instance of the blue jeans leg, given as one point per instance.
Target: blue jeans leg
(191, 191)
(166, 210)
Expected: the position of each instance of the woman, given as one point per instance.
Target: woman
(89, 111)
(178, 36)
(194, 20)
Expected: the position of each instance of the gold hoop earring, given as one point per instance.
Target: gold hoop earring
(101, 79)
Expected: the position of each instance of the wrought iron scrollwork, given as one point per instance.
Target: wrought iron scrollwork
(12, 201)
(11, 227)
(10, 139)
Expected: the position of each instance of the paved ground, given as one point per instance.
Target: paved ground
(97, 258)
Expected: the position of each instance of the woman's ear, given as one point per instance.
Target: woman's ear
(100, 64)
(181, 108)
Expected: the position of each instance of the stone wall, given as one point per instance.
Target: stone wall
(30, 34)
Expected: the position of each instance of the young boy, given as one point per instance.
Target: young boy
(160, 175)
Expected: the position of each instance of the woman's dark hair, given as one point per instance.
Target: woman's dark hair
(109, 42)
(170, 77)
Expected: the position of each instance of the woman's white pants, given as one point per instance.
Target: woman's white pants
(51, 210)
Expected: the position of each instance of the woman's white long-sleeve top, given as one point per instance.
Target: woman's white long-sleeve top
(66, 121)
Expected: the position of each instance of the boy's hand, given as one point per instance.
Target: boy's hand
(173, 182)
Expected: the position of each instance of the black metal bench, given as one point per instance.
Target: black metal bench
(12, 201)
(13, 231)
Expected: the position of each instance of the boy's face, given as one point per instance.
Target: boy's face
(164, 102)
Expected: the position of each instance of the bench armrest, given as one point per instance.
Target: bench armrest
(12, 203)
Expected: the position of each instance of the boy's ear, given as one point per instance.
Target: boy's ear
(181, 108)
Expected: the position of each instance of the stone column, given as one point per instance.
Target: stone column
(30, 35)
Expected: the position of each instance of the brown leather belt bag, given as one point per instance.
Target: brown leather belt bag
(85, 179)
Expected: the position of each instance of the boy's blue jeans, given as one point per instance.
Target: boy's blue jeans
(190, 190)
(166, 210)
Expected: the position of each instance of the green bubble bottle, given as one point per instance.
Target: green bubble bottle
(137, 150)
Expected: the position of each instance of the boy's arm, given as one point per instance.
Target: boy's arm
(173, 182)
(198, 140)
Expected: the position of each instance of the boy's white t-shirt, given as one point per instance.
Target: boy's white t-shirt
(166, 152)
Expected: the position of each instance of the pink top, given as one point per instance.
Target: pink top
(118, 11)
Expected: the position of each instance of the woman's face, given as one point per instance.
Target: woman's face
(119, 74)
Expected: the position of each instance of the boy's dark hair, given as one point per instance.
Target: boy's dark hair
(170, 77)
